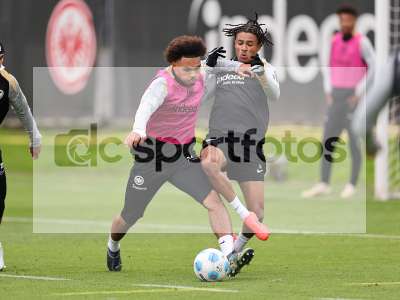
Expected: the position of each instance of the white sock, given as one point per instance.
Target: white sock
(239, 208)
(240, 242)
(226, 244)
(113, 245)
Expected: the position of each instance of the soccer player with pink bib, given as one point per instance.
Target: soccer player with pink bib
(351, 57)
(162, 141)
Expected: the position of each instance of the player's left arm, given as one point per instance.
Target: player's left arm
(268, 79)
(216, 62)
(21, 108)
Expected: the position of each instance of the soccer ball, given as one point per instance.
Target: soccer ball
(210, 265)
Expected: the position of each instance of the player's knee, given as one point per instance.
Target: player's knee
(210, 167)
(130, 218)
(213, 202)
(212, 154)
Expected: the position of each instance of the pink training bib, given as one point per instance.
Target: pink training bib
(346, 62)
(175, 120)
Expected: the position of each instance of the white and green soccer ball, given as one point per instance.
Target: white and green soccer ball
(211, 265)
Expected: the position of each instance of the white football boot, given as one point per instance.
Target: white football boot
(348, 191)
(318, 189)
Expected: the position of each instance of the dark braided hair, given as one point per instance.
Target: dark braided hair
(252, 26)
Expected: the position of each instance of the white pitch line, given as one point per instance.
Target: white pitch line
(191, 288)
(189, 228)
(34, 277)
(375, 283)
(339, 299)
(126, 292)
(357, 235)
(375, 236)
(150, 288)
(176, 227)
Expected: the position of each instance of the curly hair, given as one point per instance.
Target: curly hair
(184, 46)
(252, 26)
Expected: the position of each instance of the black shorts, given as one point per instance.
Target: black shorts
(244, 163)
(145, 180)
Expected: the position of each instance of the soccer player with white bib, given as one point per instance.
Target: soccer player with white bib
(237, 128)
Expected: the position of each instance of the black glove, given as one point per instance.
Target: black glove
(213, 56)
(256, 61)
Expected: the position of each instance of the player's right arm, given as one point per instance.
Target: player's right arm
(216, 63)
(151, 100)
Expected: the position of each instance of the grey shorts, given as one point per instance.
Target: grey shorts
(242, 165)
(144, 181)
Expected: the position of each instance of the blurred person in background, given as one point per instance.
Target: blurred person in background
(351, 57)
(382, 86)
(12, 95)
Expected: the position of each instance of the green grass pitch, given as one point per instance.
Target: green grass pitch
(159, 266)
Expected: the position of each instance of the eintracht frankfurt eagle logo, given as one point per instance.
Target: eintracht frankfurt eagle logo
(71, 45)
(139, 180)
